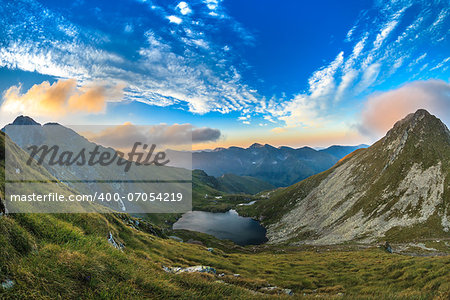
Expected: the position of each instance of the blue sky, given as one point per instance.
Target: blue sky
(279, 72)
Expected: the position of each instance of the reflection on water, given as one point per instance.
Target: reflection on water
(228, 225)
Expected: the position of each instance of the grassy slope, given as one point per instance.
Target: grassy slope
(209, 194)
(272, 209)
(68, 256)
(231, 183)
(280, 201)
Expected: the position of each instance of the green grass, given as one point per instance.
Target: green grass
(68, 256)
(235, 184)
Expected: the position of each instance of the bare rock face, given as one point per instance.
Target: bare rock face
(398, 188)
(2, 207)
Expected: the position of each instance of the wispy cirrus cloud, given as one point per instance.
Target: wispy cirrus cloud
(186, 54)
(184, 67)
(385, 42)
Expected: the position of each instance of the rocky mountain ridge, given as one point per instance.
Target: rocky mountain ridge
(279, 166)
(399, 188)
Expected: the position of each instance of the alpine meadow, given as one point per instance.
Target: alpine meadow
(224, 149)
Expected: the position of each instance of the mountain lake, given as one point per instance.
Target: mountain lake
(225, 226)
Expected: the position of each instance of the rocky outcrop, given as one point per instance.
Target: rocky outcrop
(114, 243)
(194, 269)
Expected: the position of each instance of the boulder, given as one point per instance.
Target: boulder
(194, 269)
(8, 284)
(112, 241)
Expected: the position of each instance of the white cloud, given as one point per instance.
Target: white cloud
(159, 75)
(441, 64)
(349, 74)
(417, 60)
(397, 64)
(384, 33)
(184, 8)
(322, 83)
(174, 19)
(215, 9)
(270, 119)
(440, 19)
(350, 34)
(410, 29)
(369, 76)
(376, 55)
(358, 48)
(346, 80)
(212, 4)
(63, 59)
(302, 111)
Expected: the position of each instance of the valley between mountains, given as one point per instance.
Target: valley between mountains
(326, 233)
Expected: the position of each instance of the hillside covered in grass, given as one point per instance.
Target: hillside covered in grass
(115, 256)
(398, 190)
(69, 256)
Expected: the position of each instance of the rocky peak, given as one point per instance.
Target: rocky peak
(24, 120)
(255, 146)
(422, 125)
(420, 120)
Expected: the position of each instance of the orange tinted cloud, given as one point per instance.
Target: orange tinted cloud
(123, 136)
(59, 98)
(382, 110)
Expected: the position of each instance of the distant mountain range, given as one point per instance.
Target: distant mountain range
(397, 189)
(95, 178)
(203, 184)
(280, 166)
(271, 166)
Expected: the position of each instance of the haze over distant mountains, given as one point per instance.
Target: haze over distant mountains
(397, 189)
(280, 166)
(227, 183)
(88, 175)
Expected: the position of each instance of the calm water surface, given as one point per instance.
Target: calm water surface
(228, 225)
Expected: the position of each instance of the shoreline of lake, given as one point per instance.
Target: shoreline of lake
(225, 226)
